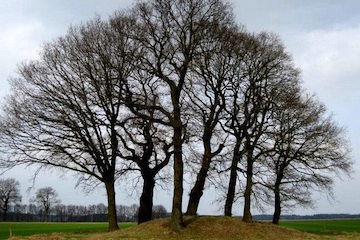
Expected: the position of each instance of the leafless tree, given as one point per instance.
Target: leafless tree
(65, 108)
(60, 211)
(264, 70)
(159, 211)
(9, 193)
(306, 148)
(46, 198)
(148, 148)
(169, 36)
(211, 72)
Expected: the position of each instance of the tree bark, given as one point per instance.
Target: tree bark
(112, 219)
(197, 191)
(232, 182)
(176, 214)
(46, 215)
(146, 199)
(5, 209)
(247, 217)
(277, 212)
(279, 177)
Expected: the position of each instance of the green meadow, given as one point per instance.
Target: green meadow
(31, 228)
(326, 227)
(321, 227)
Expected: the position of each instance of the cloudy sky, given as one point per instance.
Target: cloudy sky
(322, 36)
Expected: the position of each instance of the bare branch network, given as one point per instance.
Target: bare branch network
(180, 84)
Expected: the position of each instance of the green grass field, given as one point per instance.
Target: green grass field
(323, 227)
(27, 229)
(328, 227)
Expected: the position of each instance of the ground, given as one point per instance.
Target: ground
(215, 228)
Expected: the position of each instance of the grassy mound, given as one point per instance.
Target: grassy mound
(219, 228)
(207, 228)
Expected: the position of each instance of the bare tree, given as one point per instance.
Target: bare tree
(148, 147)
(211, 72)
(265, 69)
(46, 198)
(159, 211)
(65, 108)
(308, 147)
(60, 211)
(9, 193)
(169, 36)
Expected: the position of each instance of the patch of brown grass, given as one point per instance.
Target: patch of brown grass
(216, 228)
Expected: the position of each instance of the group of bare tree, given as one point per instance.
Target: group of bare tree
(46, 206)
(10, 195)
(181, 81)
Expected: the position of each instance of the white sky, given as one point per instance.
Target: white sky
(322, 36)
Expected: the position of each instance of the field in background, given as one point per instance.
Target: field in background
(31, 228)
(326, 227)
(319, 227)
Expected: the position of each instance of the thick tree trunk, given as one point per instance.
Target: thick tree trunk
(279, 177)
(4, 216)
(146, 199)
(277, 212)
(197, 191)
(247, 217)
(232, 182)
(46, 214)
(112, 219)
(176, 214)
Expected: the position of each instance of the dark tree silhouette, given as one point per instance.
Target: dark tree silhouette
(64, 108)
(207, 102)
(167, 50)
(307, 148)
(9, 193)
(148, 147)
(138, 90)
(46, 198)
(264, 71)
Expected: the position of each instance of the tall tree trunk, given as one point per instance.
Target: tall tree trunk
(5, 209)
(230, 196)
(277, 212)
(112, 219)
(279, 177)
(176, 214)
(146, 199)
(197, 190)
(247, 217)
(46, 214)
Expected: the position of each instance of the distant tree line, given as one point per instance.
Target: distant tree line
(77, 213)
(174, 89)
(46, 206)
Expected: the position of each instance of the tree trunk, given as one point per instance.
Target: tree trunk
(46, 210)
(232, 182)
(197, 190)
(146, 199)
(176, 214)
(277, 212)
(4, 216)
(279, 177)
(247, 194)
(112, 219)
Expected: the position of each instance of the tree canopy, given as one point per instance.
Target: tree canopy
(173, 84)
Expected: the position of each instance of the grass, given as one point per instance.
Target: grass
(215, 228)
(31, 228)
(325, 227)
(201, 228)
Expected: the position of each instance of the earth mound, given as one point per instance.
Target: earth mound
(218, 228)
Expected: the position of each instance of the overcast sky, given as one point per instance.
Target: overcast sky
(322, 36)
